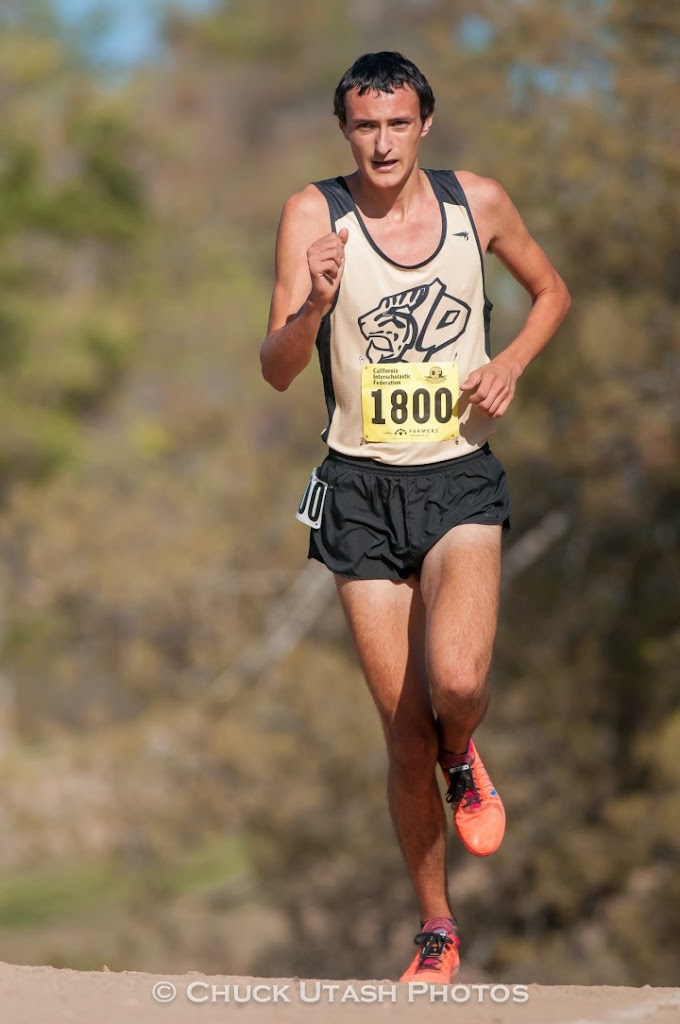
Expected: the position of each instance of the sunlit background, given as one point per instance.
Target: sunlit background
(192, 772)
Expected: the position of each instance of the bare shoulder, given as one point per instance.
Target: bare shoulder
(304, 220)
(307, 211)
(486, 193)
(492, 209)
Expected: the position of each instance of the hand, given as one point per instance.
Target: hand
(326, 261)
(491, 388)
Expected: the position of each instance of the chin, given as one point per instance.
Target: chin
(385, 179)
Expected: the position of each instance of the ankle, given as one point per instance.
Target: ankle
(452, 758)
(445, 923)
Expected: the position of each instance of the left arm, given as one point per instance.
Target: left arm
(492, 387)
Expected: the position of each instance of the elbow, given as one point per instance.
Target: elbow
(560, 300)
(275, 380)
(566, 299)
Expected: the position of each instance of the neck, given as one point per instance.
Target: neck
(375, 202)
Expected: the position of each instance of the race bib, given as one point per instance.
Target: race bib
(409, 401)
(311, 506)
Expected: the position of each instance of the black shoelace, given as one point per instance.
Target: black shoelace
(462, 785)
(434, 944)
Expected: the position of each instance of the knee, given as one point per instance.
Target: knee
(412, 747)
(459, 681)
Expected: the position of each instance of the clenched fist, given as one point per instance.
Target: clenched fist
(326, 261)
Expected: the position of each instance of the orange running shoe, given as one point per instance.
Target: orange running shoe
(437, 959)
(478, 812)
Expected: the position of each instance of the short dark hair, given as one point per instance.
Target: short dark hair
(383, 72)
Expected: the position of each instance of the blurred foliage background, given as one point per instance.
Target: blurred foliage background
(192, 772)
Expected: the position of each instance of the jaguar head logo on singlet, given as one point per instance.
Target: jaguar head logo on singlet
(412, 326)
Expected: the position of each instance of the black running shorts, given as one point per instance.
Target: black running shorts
(379, 522)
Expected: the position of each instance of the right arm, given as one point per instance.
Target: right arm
(309, 265)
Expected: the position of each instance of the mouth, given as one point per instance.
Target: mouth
(383, 166)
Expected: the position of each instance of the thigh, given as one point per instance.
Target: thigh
(460, 584)
(387, 621)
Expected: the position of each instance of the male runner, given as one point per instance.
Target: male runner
(383, 270)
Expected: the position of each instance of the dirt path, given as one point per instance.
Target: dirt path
(33, 995)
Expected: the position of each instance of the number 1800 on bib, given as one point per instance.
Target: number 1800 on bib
(409, 402)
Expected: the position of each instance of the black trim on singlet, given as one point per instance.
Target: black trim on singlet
(337, 196)
(376, 248)
(447, 183)
(339, 202)
(323, 344)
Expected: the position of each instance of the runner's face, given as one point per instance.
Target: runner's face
(384, 130)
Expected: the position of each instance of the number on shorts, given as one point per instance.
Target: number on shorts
(310, 508)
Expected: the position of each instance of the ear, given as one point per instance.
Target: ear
(427, 124)
(342, 125)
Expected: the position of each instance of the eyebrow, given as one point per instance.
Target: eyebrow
(390, 120)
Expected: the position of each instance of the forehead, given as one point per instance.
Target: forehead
(374, 106)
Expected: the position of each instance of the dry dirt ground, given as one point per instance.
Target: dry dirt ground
(33, 995)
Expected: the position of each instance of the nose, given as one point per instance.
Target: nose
(383, 143)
